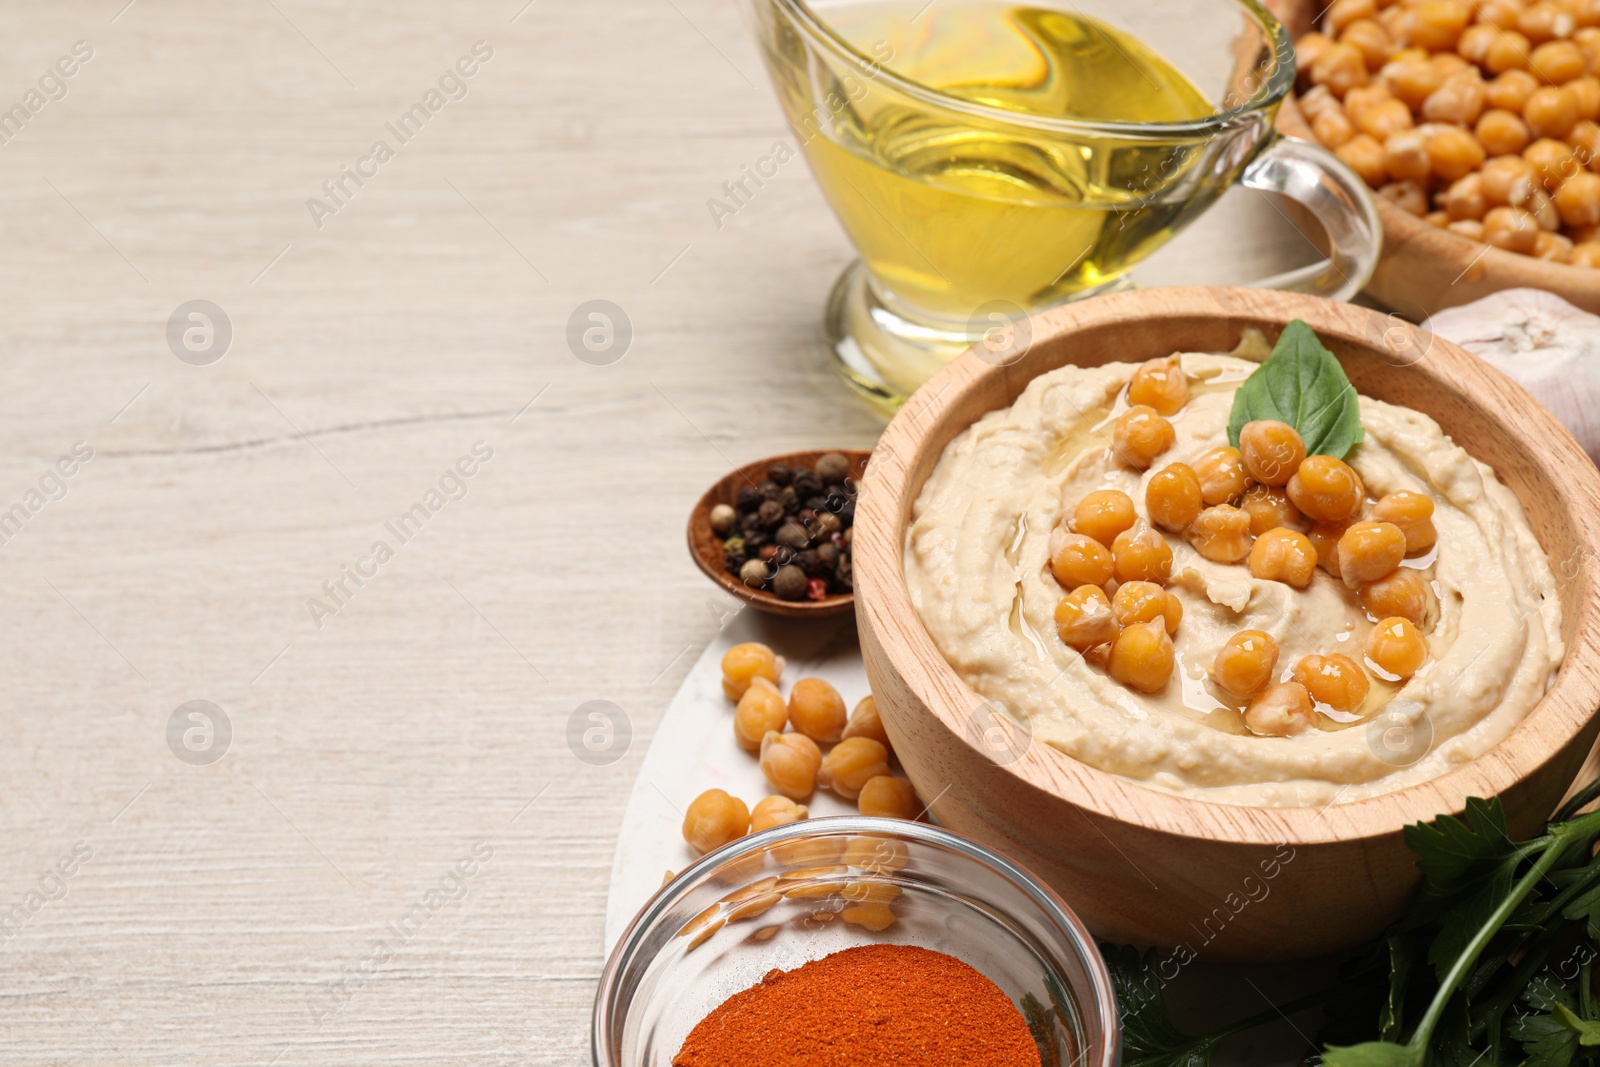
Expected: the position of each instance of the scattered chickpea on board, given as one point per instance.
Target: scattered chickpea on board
(855, 767)
(1481, 118)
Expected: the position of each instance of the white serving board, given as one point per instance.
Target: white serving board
(694, 750)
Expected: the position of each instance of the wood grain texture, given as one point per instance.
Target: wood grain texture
(1149, 867)
(1424, 269)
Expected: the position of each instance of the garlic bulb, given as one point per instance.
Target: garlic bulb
(1546, 345)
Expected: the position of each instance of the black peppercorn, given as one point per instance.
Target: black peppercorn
(832, 467)
(828, 555)
(787, 497)
(847, 514)
(790, 583)
(793, 535)
(769, 514)
(844, 574)
(779, 472)
(769, 490)
(747, 498)
(805, 483)
(810, 561)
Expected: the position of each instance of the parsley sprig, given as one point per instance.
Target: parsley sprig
(1491, 965)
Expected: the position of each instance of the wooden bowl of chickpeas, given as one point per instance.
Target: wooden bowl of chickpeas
(1476, 123)
(1142, 863)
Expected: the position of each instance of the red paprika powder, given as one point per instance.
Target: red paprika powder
(869, 1006)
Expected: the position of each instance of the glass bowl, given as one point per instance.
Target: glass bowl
(786, 896)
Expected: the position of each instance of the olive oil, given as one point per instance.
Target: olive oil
(952, 209)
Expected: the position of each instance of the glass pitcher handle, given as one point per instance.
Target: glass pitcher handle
(1338, 199)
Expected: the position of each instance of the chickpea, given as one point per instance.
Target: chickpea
(1405, 157)
(1412, 80)
(1475, 41)
(1397, 648)
(1551, 111)
(1464, 199)
(1508, 180)
(1544, 21)
(1578, 199)
(1172, 497)
(1586, 91)
(1459, 99)
(851, 764)
(1221, 533)
(1271, 451)
(1326, 489)
(865, 722)
(1557, 62)
(1506, 53)
(1501, 13)
(1306, 50)
(1142, 555)
(790, 763)
(1437, 219)
(1553, 161)
(776, 811)
(1370, 550)
(1342, 13)
(1438, 24)
(1283, 710)
(713, 819)
(1413, 513)
(1511, 229)
(1332, 128)
(1510, 91)
(889, 798)
(1453, 153)
(1502, 133)
(760, 709)
(1409, 197)
(1552, 247)
(1159, 384)
(1139, 602)
(1245, 662)
(1369, 38)
(1381, 120)
(1400, 594)
(1336, 680)
(1315, 100)
(1269, 508)
(1140, 435)
(1081, 560)
(1364, 155)
(1142, 657)
(1084, 618)
(1221, 474)
(1360, 100)
(1103, 514)
(1396, 19)
(1324, 537)
(1471, 229)
(817, 710)
(1283, 555)
(1586, 254)
(743, 662)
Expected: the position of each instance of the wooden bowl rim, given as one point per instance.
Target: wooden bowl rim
(722, 492)
(879, 572)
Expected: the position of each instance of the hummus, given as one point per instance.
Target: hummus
(977, 567)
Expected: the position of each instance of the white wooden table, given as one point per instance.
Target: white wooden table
(397, 857)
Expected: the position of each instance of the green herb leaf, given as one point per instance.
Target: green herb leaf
(1301, 384)
(1403, 952)
(1545, 1041)
(1149, 1036)
(1373, 1054)
(1449, 849)
(1588, 1030)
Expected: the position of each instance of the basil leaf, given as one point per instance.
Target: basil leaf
(1301, 384)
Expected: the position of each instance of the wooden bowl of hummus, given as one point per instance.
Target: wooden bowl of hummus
(1159, 816)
